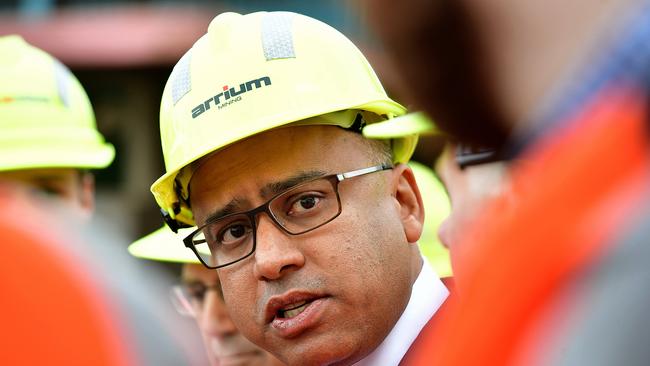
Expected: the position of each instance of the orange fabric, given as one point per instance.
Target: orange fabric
(568, 199)
(51, 312)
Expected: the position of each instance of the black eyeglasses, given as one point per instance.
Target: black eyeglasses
(468, 155)
(307, 206)
(188, 299)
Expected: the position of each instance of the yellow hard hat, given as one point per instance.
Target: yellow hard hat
(164, 245)
(255, 72)
(46, 120)
(436, 209)
(405, 125)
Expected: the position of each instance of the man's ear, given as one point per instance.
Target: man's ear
(407, 197)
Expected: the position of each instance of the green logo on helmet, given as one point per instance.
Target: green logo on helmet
(230, 95)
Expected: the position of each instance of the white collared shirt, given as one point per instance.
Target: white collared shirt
(427, 296)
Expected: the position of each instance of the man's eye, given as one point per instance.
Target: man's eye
(196, 292)
(304, 204)
(234, 233)
(50, 192)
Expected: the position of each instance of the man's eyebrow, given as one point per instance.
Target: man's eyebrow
(271, 189)
(231, 207)
(48, 179)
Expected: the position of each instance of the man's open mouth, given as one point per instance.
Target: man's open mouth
(289, 305)
(296, 312)
(292, 310)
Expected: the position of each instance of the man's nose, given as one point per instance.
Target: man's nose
(275, 252)
(214, 318)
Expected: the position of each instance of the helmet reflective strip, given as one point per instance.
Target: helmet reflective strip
(181, 82)
(277, 38)
(62, 76)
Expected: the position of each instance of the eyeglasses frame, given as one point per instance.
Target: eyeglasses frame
(334, 179)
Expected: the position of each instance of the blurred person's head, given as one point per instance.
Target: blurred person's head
(73, 187)
(484, 68)
(48, 137)
(307, 221)
(223, 341)
(526, 59)
(470, 175)
(199, 296)
(469, 186)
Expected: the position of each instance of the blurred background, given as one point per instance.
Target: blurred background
(123, 52)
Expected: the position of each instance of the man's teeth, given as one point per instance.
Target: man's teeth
(294, 312)
(293, 309)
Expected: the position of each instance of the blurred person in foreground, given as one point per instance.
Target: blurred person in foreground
(200, 296)
(54, 311)
(557, 271)
(63, 301)
(311, 227)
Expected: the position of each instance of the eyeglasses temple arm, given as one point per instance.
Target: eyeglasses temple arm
(356, 173)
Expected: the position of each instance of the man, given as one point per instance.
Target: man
(200, 297)
(312, 227)
(557, 273)
(48, 137)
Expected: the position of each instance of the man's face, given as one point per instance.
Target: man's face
(468, 190)
(348, 280)
(68, 185)
(223, 342)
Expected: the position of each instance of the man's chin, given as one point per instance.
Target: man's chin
(322, 353)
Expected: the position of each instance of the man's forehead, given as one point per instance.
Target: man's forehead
(277, 155)
(287, 141)
(265, 179)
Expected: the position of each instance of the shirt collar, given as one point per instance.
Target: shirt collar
(427, 295)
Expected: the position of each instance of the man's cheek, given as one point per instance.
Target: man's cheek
(240, 300)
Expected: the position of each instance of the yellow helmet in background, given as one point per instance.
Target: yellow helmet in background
(46, 120)
(434, 195)
(255, 72)
(164, 245)
(436, 209)
(405, 125)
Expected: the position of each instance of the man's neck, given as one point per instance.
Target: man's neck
(427, 295)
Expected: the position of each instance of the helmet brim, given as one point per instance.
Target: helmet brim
(54, 148)
(416, 123)
(164, 245)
